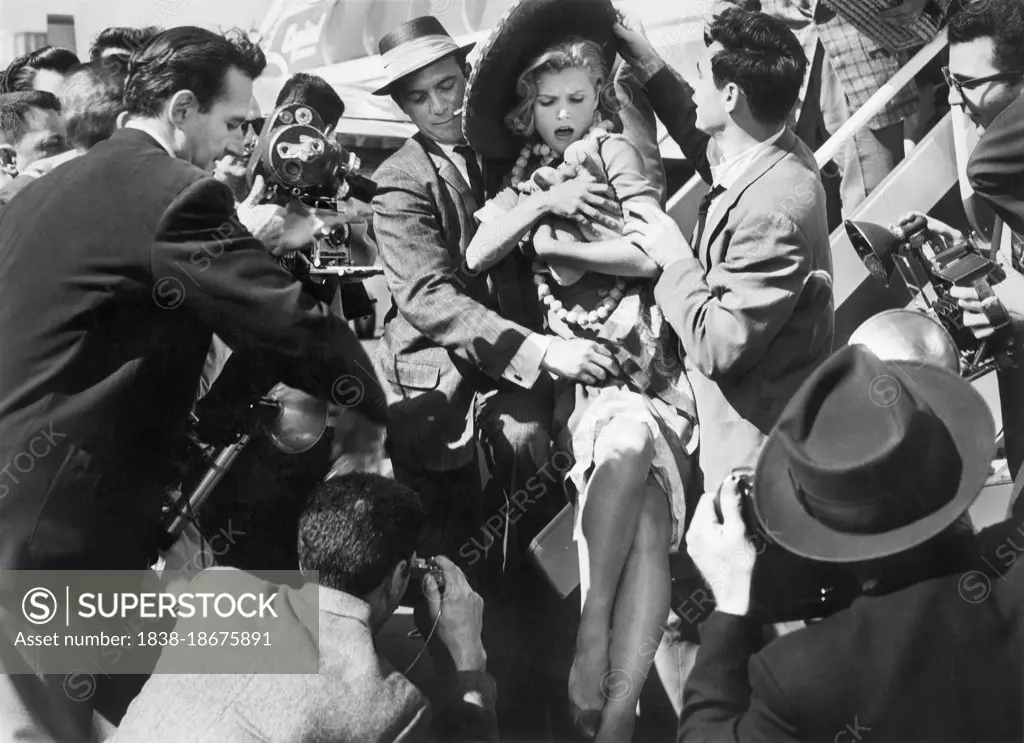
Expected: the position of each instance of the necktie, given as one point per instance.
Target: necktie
(702, 212)
(476, 176)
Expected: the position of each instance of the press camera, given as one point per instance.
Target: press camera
(300, 163)
(930, 268)
(784, 586)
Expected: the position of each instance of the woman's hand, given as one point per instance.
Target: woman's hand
(579, 200)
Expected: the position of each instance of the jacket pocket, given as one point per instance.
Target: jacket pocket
(412, 375)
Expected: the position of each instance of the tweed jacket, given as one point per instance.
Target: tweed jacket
(450, 331)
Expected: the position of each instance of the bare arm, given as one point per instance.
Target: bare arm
(615, 257)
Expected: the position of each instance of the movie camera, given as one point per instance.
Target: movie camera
(299, 162)
(930, 268)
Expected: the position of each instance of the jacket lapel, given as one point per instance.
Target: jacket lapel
(449, 173)
(720, 211)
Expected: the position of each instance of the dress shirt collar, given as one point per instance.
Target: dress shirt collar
(141, 126)
(449, 150)
(728, 172)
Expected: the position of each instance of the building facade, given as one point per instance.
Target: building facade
(27, 25)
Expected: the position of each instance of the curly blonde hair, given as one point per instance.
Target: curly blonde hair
(573, 53)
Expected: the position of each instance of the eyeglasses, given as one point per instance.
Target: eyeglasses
(256, 125)
(970, 83)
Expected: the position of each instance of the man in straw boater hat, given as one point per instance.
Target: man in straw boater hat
(872, 467)
(461, 351)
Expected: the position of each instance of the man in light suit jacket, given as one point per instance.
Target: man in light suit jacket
(459, 351)
(359, 532)
(751, 301)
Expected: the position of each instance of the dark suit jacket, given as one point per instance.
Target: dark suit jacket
(995, 169)
(450, 331)
(938, 662)
(13, 188)
(115, 270)
(754, 310)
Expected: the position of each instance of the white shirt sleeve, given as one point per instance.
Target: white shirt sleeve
(524, 368)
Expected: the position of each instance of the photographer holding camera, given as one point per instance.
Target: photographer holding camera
(359, 531)
(872, 467)
(116, 272)
(986, 80)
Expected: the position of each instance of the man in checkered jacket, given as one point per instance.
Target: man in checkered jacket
(848, 67)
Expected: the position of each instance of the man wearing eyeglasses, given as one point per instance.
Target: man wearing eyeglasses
(986, 79)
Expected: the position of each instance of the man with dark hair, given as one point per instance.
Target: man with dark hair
(125, 40)
(93, 97)
(104, 339)
(359, 533)
(875, 480)
(316, 93)
(986, 80)
(43, 69)
(31, 129)
(751, 297)
(458, 348)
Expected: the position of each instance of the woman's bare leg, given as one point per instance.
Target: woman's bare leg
(641, 609)
(623, 454)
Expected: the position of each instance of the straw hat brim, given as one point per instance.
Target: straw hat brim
(428, 60)
(528, 27)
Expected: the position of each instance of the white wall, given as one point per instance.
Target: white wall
(92, 16)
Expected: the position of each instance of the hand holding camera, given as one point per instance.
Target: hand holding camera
(719, 545)
(986, 309)
(283, 229)
(456, 609)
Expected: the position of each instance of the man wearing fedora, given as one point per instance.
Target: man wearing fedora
(459, 354)
(872, 467)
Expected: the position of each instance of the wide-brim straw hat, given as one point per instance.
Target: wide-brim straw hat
(527, 29)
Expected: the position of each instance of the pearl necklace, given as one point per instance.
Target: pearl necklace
(594, 319)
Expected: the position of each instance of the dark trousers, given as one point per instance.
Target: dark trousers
(487, 531)
(452, 501)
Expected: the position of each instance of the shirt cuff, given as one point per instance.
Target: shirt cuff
(524, 368)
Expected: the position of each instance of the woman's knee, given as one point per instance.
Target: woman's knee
(626, 441)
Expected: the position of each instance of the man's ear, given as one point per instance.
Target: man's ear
(732, 97)
(122, 119)
(182, 106)
(399, 580)
(8, 160)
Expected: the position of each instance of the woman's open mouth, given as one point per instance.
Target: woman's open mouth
(565, 132)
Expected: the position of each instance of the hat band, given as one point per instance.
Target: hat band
(884, 509)
(412, 55)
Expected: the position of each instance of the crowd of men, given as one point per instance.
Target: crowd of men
(140, 277)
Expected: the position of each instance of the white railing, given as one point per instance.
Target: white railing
(682, 205)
